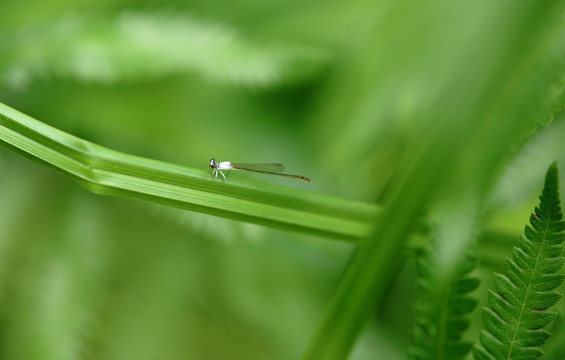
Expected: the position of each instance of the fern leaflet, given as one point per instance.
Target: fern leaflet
(442, 309)
(517, 313)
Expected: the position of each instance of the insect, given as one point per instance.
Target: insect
(263, 168)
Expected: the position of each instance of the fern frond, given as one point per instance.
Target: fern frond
(555, 347)
(517, 313)
(137, 46)
(442, 309)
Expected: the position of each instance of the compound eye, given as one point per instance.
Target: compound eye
(213, 163)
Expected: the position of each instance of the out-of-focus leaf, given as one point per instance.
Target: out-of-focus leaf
(136, 46)
(443, 308)
(479, 84)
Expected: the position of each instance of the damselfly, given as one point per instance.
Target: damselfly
(263, 168)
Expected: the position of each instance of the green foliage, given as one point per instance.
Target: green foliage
(517, 313)
(137, 46)
(425, 106)
(443, 308)
(462, 116)
(109, 172)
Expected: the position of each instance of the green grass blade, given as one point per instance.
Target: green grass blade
(517, 313)
(109, 172)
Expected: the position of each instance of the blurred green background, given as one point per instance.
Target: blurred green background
(351, 94)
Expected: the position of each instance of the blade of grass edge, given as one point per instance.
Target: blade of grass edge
(109, 172)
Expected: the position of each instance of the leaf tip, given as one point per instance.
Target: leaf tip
(553, 166)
